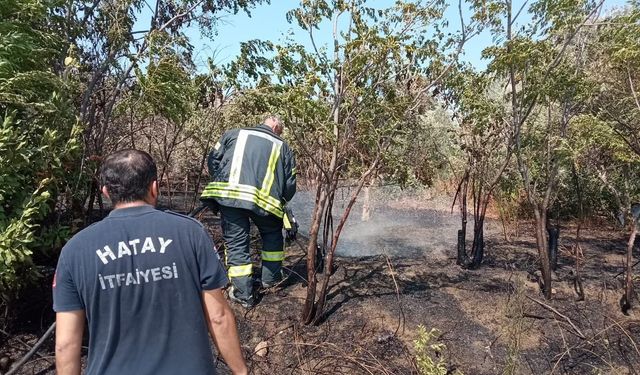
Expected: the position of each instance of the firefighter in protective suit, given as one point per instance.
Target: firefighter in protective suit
(253, 173)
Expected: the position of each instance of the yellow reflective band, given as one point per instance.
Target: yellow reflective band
(244, 189)
(222, 193)
(273, 256)
(293, 171)
(285, 221)
(239, 271)
(217, 146)
(238, 154)
(245, 197)
(243, 192)
(271, 168)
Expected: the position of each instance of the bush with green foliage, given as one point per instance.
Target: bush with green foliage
(429, 353)
(38, 137)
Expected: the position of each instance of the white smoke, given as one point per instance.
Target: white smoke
(402, 224)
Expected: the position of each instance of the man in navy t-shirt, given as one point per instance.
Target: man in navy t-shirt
(148, 283)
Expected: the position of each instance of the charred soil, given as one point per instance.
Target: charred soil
(493, 320)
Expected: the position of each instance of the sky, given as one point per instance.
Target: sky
(268, 22)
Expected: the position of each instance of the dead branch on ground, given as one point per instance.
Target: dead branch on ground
(401, 318)
(16, 366)
(566, 318)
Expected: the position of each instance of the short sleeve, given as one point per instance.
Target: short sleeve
(65, 292)
(210, 269)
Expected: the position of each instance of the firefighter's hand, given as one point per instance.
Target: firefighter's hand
(212, 205)
(289, 237)
(215, 210)
(291, 234)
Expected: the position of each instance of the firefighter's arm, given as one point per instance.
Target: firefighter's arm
(222, 326)
(215, 156)
(290, 175)
(69, 330)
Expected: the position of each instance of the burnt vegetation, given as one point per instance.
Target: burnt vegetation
(498, 200)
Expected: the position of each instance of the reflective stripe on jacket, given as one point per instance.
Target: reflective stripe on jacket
(252, 168)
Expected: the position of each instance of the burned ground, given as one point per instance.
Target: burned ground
(488, 318)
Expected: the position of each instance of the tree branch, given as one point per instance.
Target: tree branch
(553, 310)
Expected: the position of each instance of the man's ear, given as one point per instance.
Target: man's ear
(154, 189)
(152, 193)
(105, 192)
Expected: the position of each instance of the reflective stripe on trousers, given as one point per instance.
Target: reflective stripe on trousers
(273, 256)
(239, 271)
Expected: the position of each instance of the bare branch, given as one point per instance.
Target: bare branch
(553, 310)
(180, 15)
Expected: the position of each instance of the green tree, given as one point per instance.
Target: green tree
(545, 91)
(487, 143)
(38, 138)
(598, 149)
(346, 106)
(607, 141)
(109, 49)
(615, 67)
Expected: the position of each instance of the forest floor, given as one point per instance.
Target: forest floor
(401, 275)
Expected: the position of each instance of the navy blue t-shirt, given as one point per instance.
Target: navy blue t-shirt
(139, 275)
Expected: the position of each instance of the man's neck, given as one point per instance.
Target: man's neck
(131, 204)
(271, 129)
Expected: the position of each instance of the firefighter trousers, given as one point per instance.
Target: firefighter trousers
(235, 230)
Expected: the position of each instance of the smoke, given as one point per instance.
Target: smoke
(402, 223)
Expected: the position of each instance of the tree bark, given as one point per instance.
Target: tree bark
(462, 233)
(478, 243)
(308, 310)
(93, 188)
(319, 309)
(542, 245)
(554, 236)
(461, 246)
(628, 286)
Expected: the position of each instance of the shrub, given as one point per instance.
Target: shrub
(38, 137)
(430, 354)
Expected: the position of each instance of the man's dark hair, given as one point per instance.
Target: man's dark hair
(127, 175)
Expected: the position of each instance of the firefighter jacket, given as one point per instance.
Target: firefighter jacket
(252, 168)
